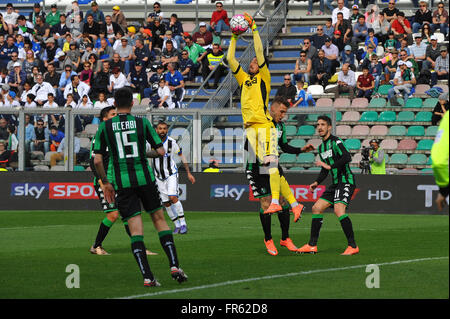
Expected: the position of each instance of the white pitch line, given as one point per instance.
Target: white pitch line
(233, 282)
(27, 227)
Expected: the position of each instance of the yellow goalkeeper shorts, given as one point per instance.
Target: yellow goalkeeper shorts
(262, 140)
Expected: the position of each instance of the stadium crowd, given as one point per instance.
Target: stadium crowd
(69, 58)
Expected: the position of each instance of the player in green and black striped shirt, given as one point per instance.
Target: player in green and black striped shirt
(334, 158)
(129, 180)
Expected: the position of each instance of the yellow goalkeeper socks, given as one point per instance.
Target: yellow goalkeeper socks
(275, 184)
(286, 192)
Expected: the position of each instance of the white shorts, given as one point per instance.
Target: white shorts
(168, 187)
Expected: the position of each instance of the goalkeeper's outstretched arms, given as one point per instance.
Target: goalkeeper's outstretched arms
(259, 49)
(232, 62)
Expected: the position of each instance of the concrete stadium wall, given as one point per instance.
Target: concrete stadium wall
(218, 192)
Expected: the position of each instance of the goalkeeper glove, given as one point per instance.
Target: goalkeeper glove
(251, 22)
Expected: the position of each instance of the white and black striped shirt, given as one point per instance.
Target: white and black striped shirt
(166, 166)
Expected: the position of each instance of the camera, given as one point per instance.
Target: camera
(364, 164)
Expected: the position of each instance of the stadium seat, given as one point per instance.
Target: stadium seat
(48, 155)
(430, 161)
(297, 168)
(297, 142)
(315, 142)
(324, 102)
(430, 102)
(296, 42)
(377, 102)
(443, 87)
(423, 116)
(366, 142)
(405, 116)
(343, 130)
(431, 131)
(383, 89)
(312, 117)
(397, 130)
(417, 159)
(57, 168)
(387, 116)
(421, 88)
(286, 158)
(85, 142)
(286, 54)
(400, 101)
(338, 116)
(426, 171)
(341, 102)
(389, 144)
(78, 168)
(353, 144)
(406, 171)
(416, 130)
(315, 89)
(314, 169)
(424, 145)
(291, 130)
(414, 102)
(398, 159)
(360, 102)
(145, 101)
(351, 116)
(306, 130)
(356, 158)
(378, 130)
(369, 116)
(305, 158)
(407, 145)
(359, 130)
(41, 168)
(91, 129)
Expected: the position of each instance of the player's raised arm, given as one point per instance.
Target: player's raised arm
(232, 62)
(259, 49)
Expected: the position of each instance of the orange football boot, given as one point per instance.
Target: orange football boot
(271, 249)
(350, 251)
(307, 249)
(273, 208)
(288, 244)
(297, 211)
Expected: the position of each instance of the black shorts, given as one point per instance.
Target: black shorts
(107, 207)
(129, 200)
(259, 183)
(338, 193)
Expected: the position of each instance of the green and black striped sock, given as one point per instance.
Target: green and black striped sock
(284, 219)
(266, 224)
(347, 227)
(139, 253)
(167, 243)
(316, 224)
(103, 230)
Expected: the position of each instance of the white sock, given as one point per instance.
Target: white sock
(275, 201)
(171, 212)
(177, 221)
(294, 204)
(180, 212)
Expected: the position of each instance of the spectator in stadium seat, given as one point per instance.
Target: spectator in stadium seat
(169, 36)
(24, 27)
(175, 82)
(401, 27)
(287, 89)
(105, 51)
(157, 13)
(376, 70)
(55, 138)
(177, 29)
(100, 81)
(391, 67)
(381, 28)
(219, 20)
(60, 30)
(77, 88)
(371, 15)
(53, 17)
(302, 70)
(360, 30)
(10, 19)
(125, 52)
(118, 18)
(96, 13)
(302, 99)
(318, 39)
(91, 27)
(79, 153)
(432, 53)
(87, 73)
(17, 78)
(371, 38)
(142, 53)
(5, 154)
(418, 50)
(196, 53)
(203, 37)
(321, 69)
(139, 80)
(41, 90)
(441, 66)
(390, 12)
(41, 28)
(365, 84)
(42, 138)
(116, 62)
(37, 12)
(310, 50)
(346, 83)
(76, 28)
(165, 97)
(310, 8)
(340, 9)
(111, 28)
(422, 16)
(169, 54)
(6, 51)
(3, 129)
(186, 66)
(440, 19)
(117, 80)
(328, 28)
(332, 54)
(404, 80)
(355, 14)
(345, 27)
(337, 40)
(347, 56)
(440, 109)
(158, 31)
(213, 60)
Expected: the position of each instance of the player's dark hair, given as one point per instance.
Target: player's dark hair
(162, 123)
(325, 118)
(123, 98)
(281, 100)
(105, 112)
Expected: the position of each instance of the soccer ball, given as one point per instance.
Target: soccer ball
(238, 24)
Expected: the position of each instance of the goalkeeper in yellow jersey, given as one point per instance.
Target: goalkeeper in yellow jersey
(260, 130)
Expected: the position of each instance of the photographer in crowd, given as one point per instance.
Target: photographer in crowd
(376, 158)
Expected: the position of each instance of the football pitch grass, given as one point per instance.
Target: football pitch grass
(225, 257)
